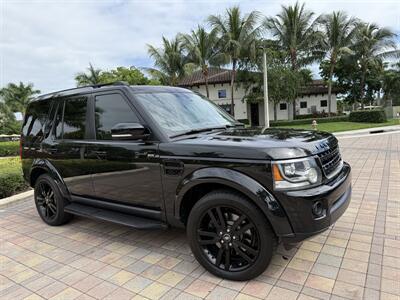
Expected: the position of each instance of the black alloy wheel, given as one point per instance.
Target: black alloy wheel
(49, 201)
(229, 236)
(46, 201)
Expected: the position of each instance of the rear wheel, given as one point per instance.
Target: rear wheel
(49, 201)
(229, 236)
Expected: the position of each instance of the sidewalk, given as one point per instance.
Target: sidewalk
(368, 131)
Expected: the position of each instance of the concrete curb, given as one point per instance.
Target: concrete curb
(5, 202)
(368, 131)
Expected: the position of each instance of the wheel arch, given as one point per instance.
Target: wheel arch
(202, 181)
(43, 166)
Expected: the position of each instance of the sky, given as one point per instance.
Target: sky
(48, 42)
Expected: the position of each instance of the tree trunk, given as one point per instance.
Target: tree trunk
(275, 112)
(205, 74)
(362, 88)
(330, 89)
(293, 59)
(232, 87)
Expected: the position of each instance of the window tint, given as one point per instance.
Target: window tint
(110, 110)
(303, 104)
(35, 118)
(58, 120)
(74, 118)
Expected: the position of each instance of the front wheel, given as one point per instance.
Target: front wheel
(229, 236)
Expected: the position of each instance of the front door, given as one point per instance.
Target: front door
(254, 114)
(127, 172)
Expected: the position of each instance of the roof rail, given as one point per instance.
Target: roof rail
(111, 83)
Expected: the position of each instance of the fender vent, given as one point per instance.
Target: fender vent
(173, 167)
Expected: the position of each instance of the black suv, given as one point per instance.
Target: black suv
(154, 157)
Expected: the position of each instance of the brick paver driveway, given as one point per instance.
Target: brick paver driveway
(358, 258)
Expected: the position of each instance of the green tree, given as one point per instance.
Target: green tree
(169, 60)
(372, 46)
(295, 30)
(17, 96)
(237, 35)
(202, 52)
(8, 123)
(92, 77)
(391, 84)
(338, 35)
(131, 75)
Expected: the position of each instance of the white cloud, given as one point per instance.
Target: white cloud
(48, 42)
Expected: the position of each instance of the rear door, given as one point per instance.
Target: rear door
(67, 151)
(127, 171)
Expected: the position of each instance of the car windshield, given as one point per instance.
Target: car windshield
(180, 113)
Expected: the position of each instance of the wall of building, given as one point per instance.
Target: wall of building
(243, 110)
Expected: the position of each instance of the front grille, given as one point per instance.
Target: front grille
(330, 159)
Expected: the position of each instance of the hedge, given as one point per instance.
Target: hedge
(368, 116)
(11, 180)
(9, 148)
(309, 121)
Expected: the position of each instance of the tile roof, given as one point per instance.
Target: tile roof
(219, 75)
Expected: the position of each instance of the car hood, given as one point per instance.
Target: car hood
(252, 143)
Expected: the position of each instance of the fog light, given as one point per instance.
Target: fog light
(318, 209)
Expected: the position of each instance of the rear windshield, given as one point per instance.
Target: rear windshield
(35, 118)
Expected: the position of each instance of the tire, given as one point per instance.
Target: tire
(49, 201)
(244, 230)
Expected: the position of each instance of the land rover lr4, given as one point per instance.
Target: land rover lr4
(156, 157)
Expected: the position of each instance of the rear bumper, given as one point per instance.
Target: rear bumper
(334, 198)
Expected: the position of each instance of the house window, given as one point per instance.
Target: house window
(303, 104)
(324, 103)
(221, 93)
(226, 107)
(282, 106)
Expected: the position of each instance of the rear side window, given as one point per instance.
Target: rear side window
(110, 110)
(35, 118)
(73, 124)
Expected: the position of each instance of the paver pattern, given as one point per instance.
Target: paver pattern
(358, 258)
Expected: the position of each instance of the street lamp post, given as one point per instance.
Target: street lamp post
(266, 106)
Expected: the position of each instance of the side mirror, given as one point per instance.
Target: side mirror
(129, 131)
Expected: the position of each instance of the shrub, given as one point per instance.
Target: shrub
(317, 115)
(11, 179)
(9, 148)
(309, 121)
(368, 116)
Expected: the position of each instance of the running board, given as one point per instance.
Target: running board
(113, 216)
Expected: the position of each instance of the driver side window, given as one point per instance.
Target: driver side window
(110, 110)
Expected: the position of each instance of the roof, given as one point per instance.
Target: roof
(216, 75)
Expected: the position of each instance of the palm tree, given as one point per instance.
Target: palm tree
(296, 33)
(17, 96)
(237, 33)
(170, 61)
(93, 77)
(201, 48)
(338, 35)
(373, 44)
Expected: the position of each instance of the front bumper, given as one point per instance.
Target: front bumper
(334, 198)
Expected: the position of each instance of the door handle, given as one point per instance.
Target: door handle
(100, 154)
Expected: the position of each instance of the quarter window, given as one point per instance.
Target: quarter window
(35, 118)
(74, 118)
(110, 110)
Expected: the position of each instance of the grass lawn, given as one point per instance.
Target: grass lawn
(343, 126)
(11, 180)
(9, 148)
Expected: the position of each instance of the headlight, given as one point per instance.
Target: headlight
(296, 173)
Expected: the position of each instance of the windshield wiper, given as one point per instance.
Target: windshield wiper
(198, 130)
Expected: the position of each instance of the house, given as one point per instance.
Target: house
(312, 99)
